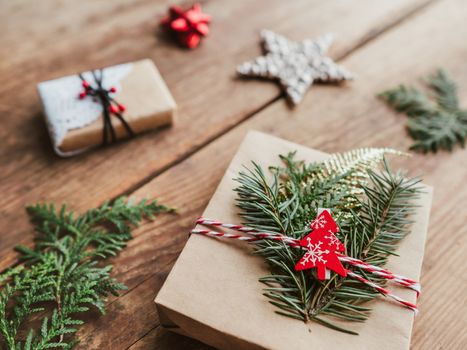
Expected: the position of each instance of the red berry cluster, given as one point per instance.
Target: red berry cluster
(188, 25)
(113, 106)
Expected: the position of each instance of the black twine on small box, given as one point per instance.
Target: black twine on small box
(109, 105)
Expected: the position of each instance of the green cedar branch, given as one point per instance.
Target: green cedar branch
(63, 275)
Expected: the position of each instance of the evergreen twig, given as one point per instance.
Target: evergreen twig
(434, 125)
(370, 229)
(61, 276)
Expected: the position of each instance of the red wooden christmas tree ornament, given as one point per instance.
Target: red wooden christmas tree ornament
(322, 247)
(188, 25)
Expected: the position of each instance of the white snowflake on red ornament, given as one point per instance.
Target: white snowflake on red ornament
(322, 247)
(319, 222)
(315, 253)
(333, 241)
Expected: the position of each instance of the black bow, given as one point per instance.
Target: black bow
(109, 105)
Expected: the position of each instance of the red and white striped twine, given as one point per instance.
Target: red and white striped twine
(384, 291)
(257, 236)
(376, 270)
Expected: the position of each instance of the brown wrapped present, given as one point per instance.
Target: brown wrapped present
(212, 293)
(134, 95)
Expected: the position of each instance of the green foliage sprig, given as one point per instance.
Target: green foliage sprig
(61, 276)
(433, 125)
(370, 230)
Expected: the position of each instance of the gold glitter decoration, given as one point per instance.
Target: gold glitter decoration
(353, 167)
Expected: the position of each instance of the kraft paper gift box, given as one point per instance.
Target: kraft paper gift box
(212, 293)
(77, 124)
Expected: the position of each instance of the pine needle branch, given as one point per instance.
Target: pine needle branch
(370, 229)
(61, 276)
(434, 125)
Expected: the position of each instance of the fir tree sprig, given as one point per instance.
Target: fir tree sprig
(62, 275)
(434, 125)
(370, 231)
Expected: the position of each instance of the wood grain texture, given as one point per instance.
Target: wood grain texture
(160, 338)
(357, 119)
(55, 38)
(331, 119)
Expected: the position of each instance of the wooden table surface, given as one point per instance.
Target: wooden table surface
(384, 42)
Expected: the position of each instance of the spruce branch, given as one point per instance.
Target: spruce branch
(434, 125)
(370, 229)
(63, 275)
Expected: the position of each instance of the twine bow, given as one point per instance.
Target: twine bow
(109, 105)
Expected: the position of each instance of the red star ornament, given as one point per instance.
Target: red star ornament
(189, 25)
(322, 246)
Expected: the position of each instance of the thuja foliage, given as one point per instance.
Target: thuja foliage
(63, 276)
(433, 124)
(372, 207)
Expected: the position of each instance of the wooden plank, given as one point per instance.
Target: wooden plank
(203, 82)
(331, 120)
(160, 338)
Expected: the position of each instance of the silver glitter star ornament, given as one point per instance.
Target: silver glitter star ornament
(295, 64)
